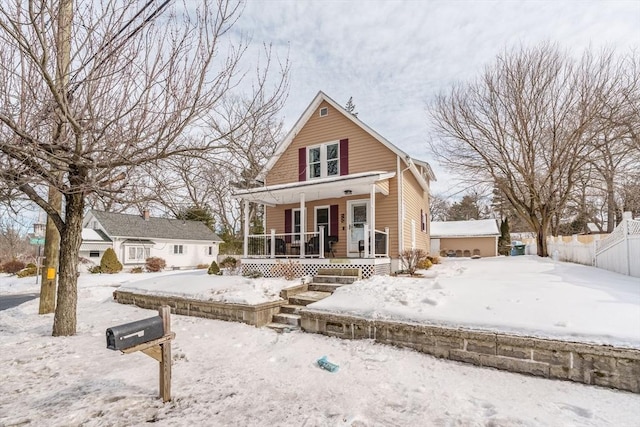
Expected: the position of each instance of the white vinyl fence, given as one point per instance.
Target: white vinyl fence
(572, 251)
(620, 252)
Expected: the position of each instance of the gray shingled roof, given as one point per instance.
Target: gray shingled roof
(124, 225)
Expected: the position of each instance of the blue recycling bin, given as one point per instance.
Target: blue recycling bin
(517, 248)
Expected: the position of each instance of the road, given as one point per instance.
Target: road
(9, 301)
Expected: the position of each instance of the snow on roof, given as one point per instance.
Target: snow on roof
(89, 234)
(472, 228)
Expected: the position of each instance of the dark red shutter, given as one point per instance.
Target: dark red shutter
(333, 220)
(344, 157)
(302, 164)
(422, 224)
(287, 225)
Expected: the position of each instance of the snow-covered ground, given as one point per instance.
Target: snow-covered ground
(228, 374)
(525, 295)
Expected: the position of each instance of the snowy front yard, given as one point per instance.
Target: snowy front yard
(233, 374)
(524, 295)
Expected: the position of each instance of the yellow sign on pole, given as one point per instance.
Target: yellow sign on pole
(51, 273)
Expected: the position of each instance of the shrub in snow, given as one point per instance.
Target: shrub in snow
(435, 259)
(155, 264)
(136, 270)
(13, 266)
(109, 263)
(424, 264)
(410, 259)
(214, 268)
(29, 270)
(253, 274)
(202, 266)
(94, 269)
(230, 264)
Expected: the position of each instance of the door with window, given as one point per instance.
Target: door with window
(358, 214)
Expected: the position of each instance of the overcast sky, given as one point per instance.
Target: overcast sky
(392, 57)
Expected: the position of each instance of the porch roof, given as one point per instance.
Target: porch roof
(317, 189)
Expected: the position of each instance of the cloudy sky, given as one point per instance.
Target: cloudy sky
(392, 57)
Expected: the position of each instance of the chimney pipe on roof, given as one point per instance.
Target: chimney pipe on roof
(145, 214)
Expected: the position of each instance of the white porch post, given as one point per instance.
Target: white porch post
(386, 240)
(303, 225)
(372, 221)
(367, 238)
(321, 239)
(246, 228)
(273, 243)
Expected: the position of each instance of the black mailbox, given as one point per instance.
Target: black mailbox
(131, 334)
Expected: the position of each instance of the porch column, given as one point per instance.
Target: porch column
(303, 225)
(372, 221)
(246, 228)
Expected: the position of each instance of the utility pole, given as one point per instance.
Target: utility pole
(52, 235)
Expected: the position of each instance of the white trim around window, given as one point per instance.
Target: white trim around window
(323, 160)
(136, 253)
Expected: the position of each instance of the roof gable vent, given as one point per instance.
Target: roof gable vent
(324, 111)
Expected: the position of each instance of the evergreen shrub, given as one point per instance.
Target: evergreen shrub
(109, 263)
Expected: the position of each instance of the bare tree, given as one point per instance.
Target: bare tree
(13, 241)
(138, 93)
(527, 125)
(438, 207)
(208, 182)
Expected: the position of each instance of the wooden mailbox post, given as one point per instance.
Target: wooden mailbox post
(159, 349)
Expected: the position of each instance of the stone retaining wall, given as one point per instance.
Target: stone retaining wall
(586, 363)
(256, 315)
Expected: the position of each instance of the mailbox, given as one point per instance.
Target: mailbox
(131, 334)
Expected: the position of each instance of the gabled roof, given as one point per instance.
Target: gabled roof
(472, 228)
(304, 118)
(135, 226)
(91, 235)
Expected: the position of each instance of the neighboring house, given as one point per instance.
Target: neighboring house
(465, 238)
(94, 243)
(336, 193)
(134, 238)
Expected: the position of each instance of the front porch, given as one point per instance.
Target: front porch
(322, 223)
(303, 254)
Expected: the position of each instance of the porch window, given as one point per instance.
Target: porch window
(322, 220)
(324, 160)
(178, 249)
(296, 225)
(138, 253)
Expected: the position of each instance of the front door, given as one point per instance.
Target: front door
(358, 217)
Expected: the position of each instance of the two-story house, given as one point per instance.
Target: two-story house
(336, 193)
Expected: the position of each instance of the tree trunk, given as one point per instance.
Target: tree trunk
(541, 240)
(64, 322)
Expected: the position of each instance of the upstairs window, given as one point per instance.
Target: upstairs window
(324, 160)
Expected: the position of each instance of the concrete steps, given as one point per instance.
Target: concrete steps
(342, 280)
(322, 286)
(309, 297)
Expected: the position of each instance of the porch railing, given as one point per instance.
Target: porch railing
(286, 245)
(381, 243)
(312, 244)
